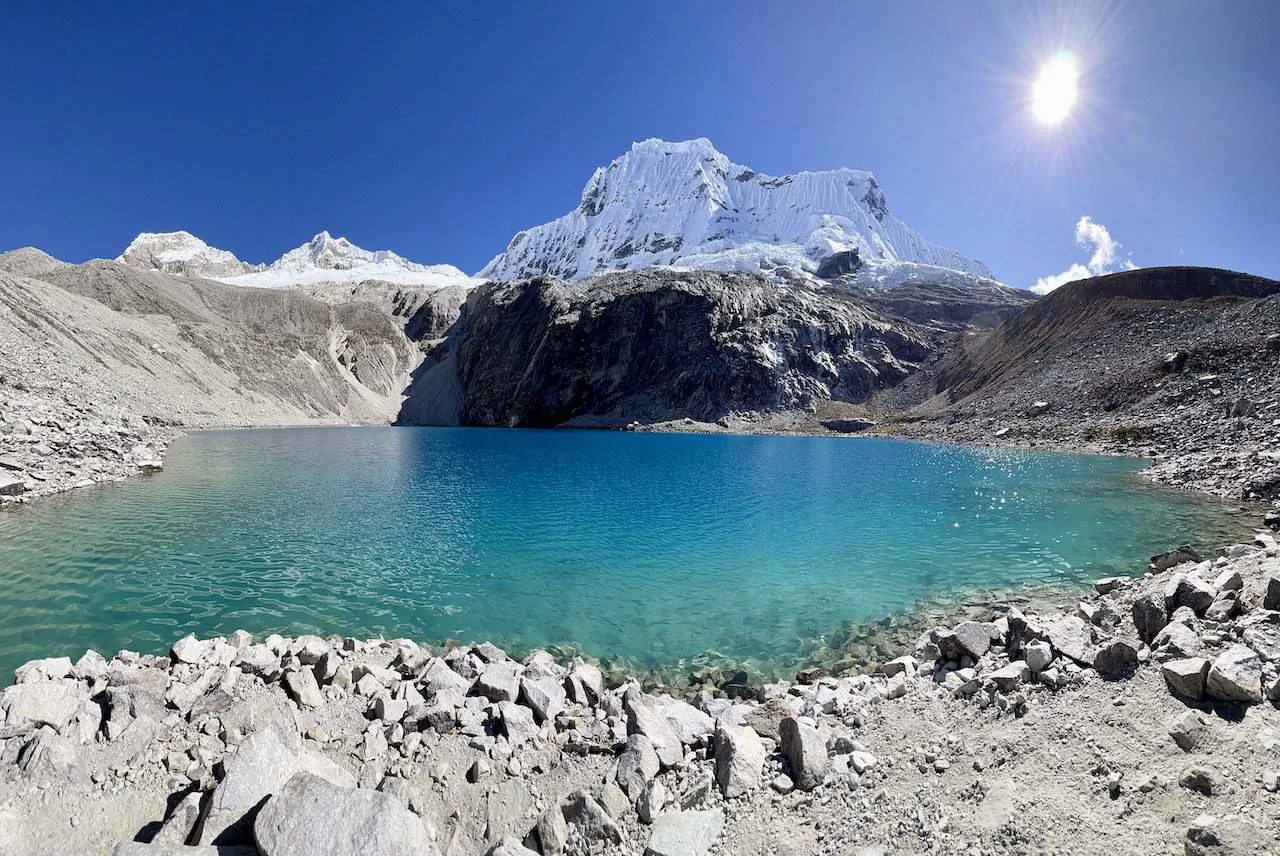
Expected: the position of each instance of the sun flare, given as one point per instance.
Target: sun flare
(1056, 89)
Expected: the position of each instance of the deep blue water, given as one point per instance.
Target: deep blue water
(649, 547)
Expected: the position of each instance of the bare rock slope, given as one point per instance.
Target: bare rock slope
(1178, 363)
(100, 364)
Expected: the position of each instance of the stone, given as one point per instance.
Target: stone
(517, 723)
(614, 801)
(260, 767)
(1185, 678)
(645, 717)
(974, 638)
(499, 681)
(509, 846)
(1271, 592)
(1009, 677)
(1178, 640)
(1228, 836)
(637, 766)
(1038, 655)
(439, 678)
(652, 802)
(1071, 637)
(588, 677)
(309, 649)
(1021, 630)
(489, 652)
(1116, 658)
(1188, 591)
(1236, 675)
(51, 703)
(545, 696)
(806, 750)
(259, 660)
(48, 669)
(1149, 616)
(766, 719)
(552, 832)
(302, 688)
(1107, 585)
(740, 757)
(189, 649)
(585, 815)
(1187, 729)
(478, 770)
(508, 809)
(1172, 558)
(11, 485)
(1223, 608)
(181, 821)
(388, 708)
(899, 665)
(310, 816)
(1201, 779)
(691, 725)
(1228, 580)
(685, 833)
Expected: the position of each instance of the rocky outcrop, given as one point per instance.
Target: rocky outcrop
(657, 345)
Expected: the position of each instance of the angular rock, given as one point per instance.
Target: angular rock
(509, 846)
(1009, 677)
(500, 681)
(439, 678)
(1149, 616)
(685, 833)
(767, 718)
(1236, 675)
(189, 649)
(644, 716)
(1187, 729)
(806, 751)
(614, 801)
(590, 820)
(543, 695)
(1178, 640)
(517, 723)
(180, 823)
(48, 669)
(1173, 558)
(552, 832)
(1201, 779)
(637, 766)
(1116, 658)
(1185, 678)
(587, 677)
(1271, 592)
(302, 688)
(692, 725)
(52, 703)
(260, 767)
(1038, 655)
(138, 848)
(740, 757)
(652, 802)
(1188, 591)
(310, 816)
(1072, 638)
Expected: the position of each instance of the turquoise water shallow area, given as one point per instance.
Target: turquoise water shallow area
(644, 547)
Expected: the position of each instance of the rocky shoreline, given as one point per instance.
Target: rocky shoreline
(1146, 713)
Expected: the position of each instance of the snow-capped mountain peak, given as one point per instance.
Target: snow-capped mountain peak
(181, 253)
(325, 259)
(685, 204)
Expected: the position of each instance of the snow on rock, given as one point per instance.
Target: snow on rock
(687, 205)
(326, 259)
(181, 253)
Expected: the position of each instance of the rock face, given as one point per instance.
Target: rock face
(686, 204)
(312, 817)
(656, 345)
(181, 253)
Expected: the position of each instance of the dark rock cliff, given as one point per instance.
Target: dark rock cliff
(656, 345)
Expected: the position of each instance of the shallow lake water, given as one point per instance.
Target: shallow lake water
(644, 547)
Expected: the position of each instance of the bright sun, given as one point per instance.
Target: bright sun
(1054, 93)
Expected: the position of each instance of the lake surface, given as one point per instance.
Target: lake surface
(646, 547)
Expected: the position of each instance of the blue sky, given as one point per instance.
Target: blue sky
(439, 130)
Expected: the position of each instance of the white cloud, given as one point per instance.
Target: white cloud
(1105, 258)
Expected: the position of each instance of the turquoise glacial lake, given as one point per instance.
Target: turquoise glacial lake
(644, 547)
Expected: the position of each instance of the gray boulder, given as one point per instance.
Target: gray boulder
(1188, 591)
(644, 716)
(1072, 638)
(1185, 678)
(1116, 658)
(685, 833)
(310, 816)
(499, 681)
(51, 703)
(1236, 675)
(302, 687)
(806, 751)
(637, 765)
(1149, 616)
(740, 756)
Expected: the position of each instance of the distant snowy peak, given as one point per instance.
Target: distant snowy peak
(183, 254)
(685, 204)
(321, 261)
(326, 259)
